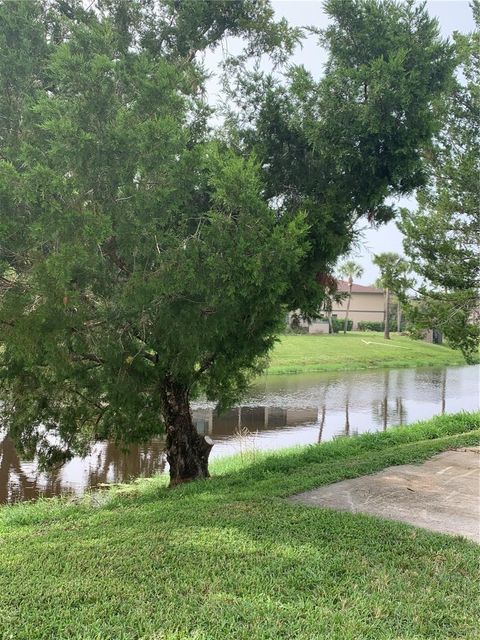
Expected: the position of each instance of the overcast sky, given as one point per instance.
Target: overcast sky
(453, 15)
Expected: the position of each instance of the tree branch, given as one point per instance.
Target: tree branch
(90, 357)
(205, 365)
(109, 248)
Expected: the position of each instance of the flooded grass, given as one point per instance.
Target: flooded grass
(229, 558)
(356, 350)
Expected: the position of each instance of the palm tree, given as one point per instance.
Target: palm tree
(349, 270)
(393, 277)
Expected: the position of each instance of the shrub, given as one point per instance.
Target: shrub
(369, 325)
(338, 324)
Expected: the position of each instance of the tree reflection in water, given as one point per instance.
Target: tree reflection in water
(284, 411)
(347, 418)
(16, 483)
(385, 413)
(20, 480)
(322, 423)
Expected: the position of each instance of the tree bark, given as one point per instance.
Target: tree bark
(345, 326)
(187, 451)
(386, 331)
(399, 316)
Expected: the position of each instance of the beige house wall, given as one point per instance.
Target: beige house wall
(366, 307)
(316, 326)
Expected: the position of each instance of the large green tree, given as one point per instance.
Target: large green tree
(144, 261)
(340, 146)
(442, 234)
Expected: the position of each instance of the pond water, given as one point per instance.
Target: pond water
(280, 411)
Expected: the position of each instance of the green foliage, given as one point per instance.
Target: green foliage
(441, 236)
(139, 249)
(394, 274)
(134, 246)
(231, 559)
(350, 270)
(368, 325)
(339, 146)
(394, 278)
(339, 324)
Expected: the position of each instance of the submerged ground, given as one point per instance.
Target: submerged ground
(356, 350)
(231, 558)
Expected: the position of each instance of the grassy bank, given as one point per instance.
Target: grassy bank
(298, 353)
(230, 558)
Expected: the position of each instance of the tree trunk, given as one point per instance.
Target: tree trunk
(345, 326)
(386, 332)
(187, 451)
(399, 316)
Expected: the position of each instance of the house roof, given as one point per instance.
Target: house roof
(356, 288)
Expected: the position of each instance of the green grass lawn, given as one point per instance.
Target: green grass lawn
(298, 353)
(229, 558)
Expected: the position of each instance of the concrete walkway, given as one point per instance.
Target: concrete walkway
(442, 494)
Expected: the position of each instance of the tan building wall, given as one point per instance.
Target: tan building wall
(363, 307)
(316, 326)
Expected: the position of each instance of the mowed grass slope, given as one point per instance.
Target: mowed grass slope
(298, 353)
(229, 558)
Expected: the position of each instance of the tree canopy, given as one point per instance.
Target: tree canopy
(441, 236)
(394, 273)
(350, 269)
(338, 147)
(146, 258)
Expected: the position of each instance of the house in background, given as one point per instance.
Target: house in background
(366, 304)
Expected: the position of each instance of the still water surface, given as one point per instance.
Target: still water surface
(280, 411)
